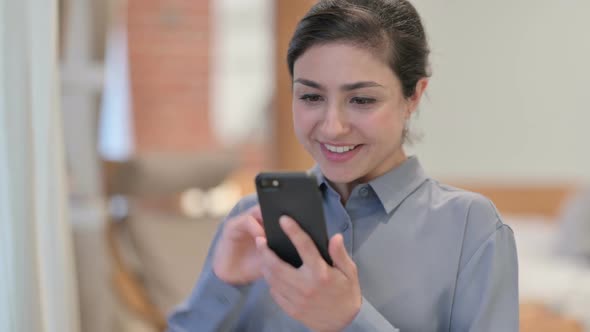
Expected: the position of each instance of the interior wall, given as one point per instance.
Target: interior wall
(508, 98)
(169, 58)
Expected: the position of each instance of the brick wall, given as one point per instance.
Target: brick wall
(169, 67)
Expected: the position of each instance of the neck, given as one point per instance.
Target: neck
(345, 189)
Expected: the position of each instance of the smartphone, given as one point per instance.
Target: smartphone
(298, 196)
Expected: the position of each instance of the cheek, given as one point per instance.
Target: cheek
(303, 121)
(385, 125)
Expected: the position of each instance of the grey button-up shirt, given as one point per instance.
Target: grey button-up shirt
(430, 258)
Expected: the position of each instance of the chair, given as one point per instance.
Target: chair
(156, 243)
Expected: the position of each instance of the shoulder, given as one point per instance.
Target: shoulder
(472, 214)
(243, 204)
(473, 207)
(476, 216)
(479, 209)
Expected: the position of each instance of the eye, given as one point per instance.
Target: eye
(362, 100)
(312, 98)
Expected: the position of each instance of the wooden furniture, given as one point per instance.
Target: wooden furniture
(535, 317)
(538, 199)
(156, 183)
(288, 153)
(127, 286)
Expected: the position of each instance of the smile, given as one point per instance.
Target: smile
(339, 149)
(340, 153)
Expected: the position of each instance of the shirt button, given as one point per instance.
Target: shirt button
(223, 300)
(364, 192)
(344, 227)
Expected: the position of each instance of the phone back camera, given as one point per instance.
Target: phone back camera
(270, 184)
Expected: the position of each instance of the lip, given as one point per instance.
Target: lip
(339, 157)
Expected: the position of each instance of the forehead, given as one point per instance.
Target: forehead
(339, 63)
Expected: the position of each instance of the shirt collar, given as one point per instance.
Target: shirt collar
(392, 187)
(317, 172)
(397, 184)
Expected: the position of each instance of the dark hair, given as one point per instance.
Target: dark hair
(391, 27)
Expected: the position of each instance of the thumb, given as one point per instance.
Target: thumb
(340, 257)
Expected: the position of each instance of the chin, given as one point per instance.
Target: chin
(339, 174)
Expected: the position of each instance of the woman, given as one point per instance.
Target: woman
(409, 253)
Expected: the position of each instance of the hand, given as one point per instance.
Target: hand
(322, 297)
(236, 260)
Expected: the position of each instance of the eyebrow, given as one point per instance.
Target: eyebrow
(345, 87)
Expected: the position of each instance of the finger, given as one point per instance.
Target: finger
(303, 243)
(342, 261)
(274, 264)
(244, 225)
(254, 228)
(277, 273)
(256, 213)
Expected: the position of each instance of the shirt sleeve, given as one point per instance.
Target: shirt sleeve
(213, 304)
(369, 319)
(486, 295)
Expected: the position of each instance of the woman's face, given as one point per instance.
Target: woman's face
(349, 111)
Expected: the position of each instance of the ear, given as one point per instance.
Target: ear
(414, 100)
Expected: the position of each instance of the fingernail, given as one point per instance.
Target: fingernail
(284, 221)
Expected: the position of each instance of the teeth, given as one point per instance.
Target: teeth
(339, 149)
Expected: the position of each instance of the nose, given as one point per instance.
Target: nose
(335, 122)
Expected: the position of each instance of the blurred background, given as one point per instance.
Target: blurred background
(129, 128)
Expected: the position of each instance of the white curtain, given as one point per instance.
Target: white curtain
(37, 278)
